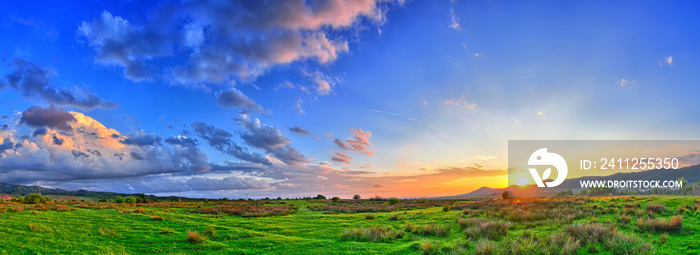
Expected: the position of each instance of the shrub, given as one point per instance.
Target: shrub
(656, 208)
(195, 238)
(429, 248)
(34, 199)
(166, 231)
(210, 231)
(321, 197)
(566, 244)
(490, 229)
(119, 200)
(446, 208)
(130, 200)
(157, 217)
(429, 229)
(393, 201)
(660, 225)
(32, 227)
(624, 219)
(356, 197)
(485, 247)
(370, 216)
(371, 234)
(17, 199)
(394, 217)
(620, 243)
(335, 199)
(589, 233)
(139, 210)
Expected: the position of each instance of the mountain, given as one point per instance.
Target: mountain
(690, 173)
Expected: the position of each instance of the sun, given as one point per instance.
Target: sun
(523, 181)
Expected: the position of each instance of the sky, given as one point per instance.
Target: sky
(296, 98)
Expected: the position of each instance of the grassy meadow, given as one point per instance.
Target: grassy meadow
(562, 225)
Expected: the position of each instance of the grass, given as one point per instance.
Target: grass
(563, 225)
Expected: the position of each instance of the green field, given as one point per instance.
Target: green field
(575, 225)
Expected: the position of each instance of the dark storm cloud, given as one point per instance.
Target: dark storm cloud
(141, 139)
(233, 98)
(34, 81)
(299, 130)
(36, 116)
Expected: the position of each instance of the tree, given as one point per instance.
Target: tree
(393, 201)
(335, 199)
(505, 195)
(321, 197)
(141, 198)
(119, 200)
(34, 199)
(356, 197)
(130, 200)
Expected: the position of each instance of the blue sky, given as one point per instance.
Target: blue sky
(422, 96)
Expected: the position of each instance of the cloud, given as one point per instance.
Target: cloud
(223, 40)
(39, 117)
(359, 142)
(141, 139)
(669, 60)
(454, 24)
(222, 141)
(233, 98)
(271, 140)
(299, 130)
(118, 42)
(72, 146)
(460, 102)
(341, 157)
(33, 81)
(341, 144)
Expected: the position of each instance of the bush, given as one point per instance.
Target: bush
(321, 197)
(371, 234)
(485, 247)
(195, 238)
(17, 199)
(484, 228)
(429, 229)
(589, 233)
(335, 199)
(370, 216)
(130, 200)
(620, 243)
(119, 200)
(356, 197)
(157, 217)
(446, 208)
(34, 199)
(661, 225)
(393, 201)
(655, 208)
(429, 248)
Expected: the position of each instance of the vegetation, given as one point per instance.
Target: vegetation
(556, 225)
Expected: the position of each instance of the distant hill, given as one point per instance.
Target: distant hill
(691, 173)
(16, 190)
